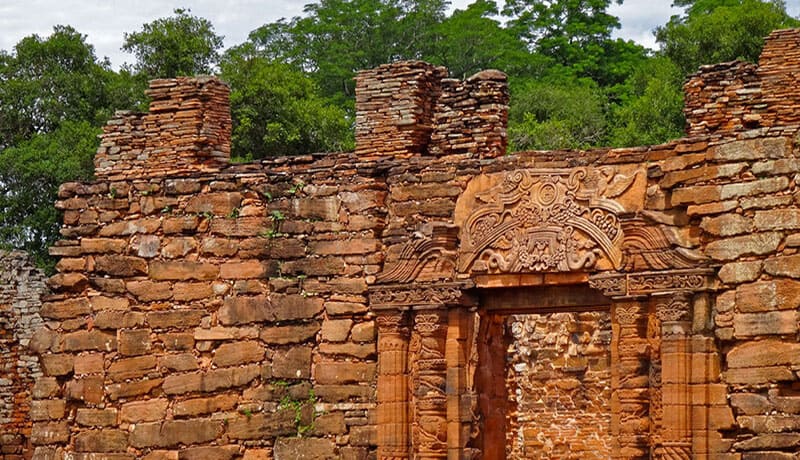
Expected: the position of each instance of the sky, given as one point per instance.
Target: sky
(105, 21)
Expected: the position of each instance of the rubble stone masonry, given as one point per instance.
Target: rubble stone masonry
(360, 305)
(21, 287)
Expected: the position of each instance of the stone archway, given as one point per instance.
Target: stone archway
(574, 234)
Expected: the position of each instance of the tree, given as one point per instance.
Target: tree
(720, 30)
(471, 40)
(576, 34)
(30, 174)
(556, 114)
(45, 81)
(179, 45)
(277, 110)
(651, 109)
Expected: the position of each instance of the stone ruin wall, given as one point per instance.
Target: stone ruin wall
(21, 286)
(207, 310)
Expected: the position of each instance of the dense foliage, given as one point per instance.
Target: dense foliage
(572, 84)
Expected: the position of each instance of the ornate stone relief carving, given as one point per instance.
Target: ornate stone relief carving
(546, 220)
(644, 283)
(646, 247)
(405, 296)
(429, 256)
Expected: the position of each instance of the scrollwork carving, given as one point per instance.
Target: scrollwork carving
(676, 309)
(415, 295)
(428, 256)
(546, 220)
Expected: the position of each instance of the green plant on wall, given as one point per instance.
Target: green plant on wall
(298, 406)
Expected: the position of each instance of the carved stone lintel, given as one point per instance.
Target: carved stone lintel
(404, 296)
(617, 285)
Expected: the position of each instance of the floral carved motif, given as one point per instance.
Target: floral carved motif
(643, 283)
(546, 220)
(416, 295)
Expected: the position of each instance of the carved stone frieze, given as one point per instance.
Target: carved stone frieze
(646, 283)
(403, 296)
(546, 220)
(647, 247)
(430, 255)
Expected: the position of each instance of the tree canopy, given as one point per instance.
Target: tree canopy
(573, 85)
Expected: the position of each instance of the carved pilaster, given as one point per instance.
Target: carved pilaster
(393, 410)
(429, 373)
(674, 313)
(630, 380)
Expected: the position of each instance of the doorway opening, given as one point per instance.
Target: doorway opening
(543, 377)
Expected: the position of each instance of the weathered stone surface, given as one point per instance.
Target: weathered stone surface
(777, 219)
(101, 441)
(65, 309)
(343, 247)
(736, 247)
(780, 294)
(329, 373)
(770, 441)
(131, 368)
(727, 225)
(278, 307)
(90, 340)
(764, 353)
(243, 310)
(210, 381)
(147, 291)
(192, 291)
(260, 426)
(208, 453)
(305, 449)
(203, 406)
(283, 335)
(740, 272)
(751, 149)
(178, 318)
(183, 270)
(172, 433)
(57, 364)
(49, 433)
(362, 351)
(48, 410)
(767, 323)
(122, 266)
(96, 417)
(220, 204)
(179, 362)
(783, 266)
(336, 330)
(89, 363)
(149, 410)
(234, 354)
(363, 332)
(243, 270)
(294, 363)
(133, 389)
(134, 342)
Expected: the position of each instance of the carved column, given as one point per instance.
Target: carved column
(676, 329)
(393, 410)
(429, 368)
(630, 423)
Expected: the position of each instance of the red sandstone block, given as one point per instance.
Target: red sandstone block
(147, 290)
(132, 389)
(327, 373)
(183, 270)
